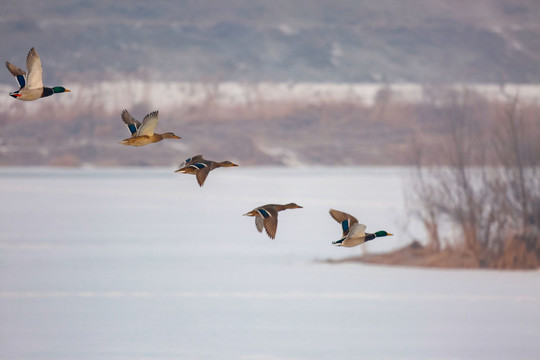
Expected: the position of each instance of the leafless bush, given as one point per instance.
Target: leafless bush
(488, 192)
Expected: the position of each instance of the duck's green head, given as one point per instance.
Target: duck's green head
(59, 89)
(382, 233)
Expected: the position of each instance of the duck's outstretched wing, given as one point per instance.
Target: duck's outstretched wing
(198, 166)
(149, 124)
(270, 225)
(202, 173)
(192, 160)
(18, 73)
(346, 220)
(132, 124)
(270, 221)
(34, 77)
(259, 223)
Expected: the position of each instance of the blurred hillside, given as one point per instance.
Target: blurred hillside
(274, 124)
(300, 61)
(421, 41)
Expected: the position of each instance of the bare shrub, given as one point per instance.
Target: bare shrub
(488, 192)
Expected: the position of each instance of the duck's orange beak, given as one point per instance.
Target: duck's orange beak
(177, 137)
(67, 90)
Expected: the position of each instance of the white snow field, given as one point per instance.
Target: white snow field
(141, 263)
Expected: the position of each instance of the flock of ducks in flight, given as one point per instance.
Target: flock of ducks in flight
(142, 133)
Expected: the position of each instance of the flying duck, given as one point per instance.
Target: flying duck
(143, 134)
(31, 82)
(353, 233)
(266, 217)
(201, 167)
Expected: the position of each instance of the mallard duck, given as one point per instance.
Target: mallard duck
(31, 83)
(266, 216)
(353, 233)
(201, 167)
(143, 134)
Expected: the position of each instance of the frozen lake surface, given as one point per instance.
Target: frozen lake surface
(144, 264)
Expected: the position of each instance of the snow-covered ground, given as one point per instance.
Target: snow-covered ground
(144, 264)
